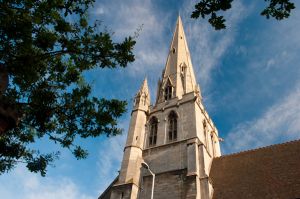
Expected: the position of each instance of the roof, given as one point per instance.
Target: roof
(106, 193)
(269, 172)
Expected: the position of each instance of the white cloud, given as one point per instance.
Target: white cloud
(131, 16)
(21, 184)
(271, 62)
(279, 123)
(99, 11)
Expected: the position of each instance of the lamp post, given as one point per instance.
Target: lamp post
(146, 166)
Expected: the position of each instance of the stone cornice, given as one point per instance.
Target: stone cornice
(134, 146)
(175, 143)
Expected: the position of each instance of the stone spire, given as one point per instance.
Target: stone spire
(142, 98)
(144, 88)
(178, 71)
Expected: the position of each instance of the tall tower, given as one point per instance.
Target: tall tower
(175, 136)
(127, 185)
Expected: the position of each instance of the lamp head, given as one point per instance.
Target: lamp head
(145, 165)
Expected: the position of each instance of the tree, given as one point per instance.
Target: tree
(278, 9)
(45, 46)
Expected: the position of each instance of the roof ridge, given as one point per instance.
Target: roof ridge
(257, 149)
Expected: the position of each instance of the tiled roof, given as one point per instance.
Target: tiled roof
(271, 172)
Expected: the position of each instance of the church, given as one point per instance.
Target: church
(173, 147)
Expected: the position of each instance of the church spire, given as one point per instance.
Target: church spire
(178, 75)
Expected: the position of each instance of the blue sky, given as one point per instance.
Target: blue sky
(248, 73)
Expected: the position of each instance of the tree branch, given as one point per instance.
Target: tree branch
(4, 79)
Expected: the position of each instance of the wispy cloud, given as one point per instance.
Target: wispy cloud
(279, 123)
(98, 11)
(208, 46)
(149, 21)
(26, 185)
(261, 101)
(136, 16)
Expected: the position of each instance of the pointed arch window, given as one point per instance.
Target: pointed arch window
(172, 126)
(168, 92)
(153, 131)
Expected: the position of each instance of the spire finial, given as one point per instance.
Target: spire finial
(142, 98)
(179, 17)
(144, 85)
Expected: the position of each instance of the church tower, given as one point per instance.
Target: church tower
(175, 136)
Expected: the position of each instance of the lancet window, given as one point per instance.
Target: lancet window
(172, 126)
(153, 131)
(168, 92)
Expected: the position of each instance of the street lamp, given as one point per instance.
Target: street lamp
(146, 166)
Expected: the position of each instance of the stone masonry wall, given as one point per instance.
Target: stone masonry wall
(169, 185)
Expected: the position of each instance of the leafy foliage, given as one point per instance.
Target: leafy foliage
(278, 9)
(45, 46)
(211, 7)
